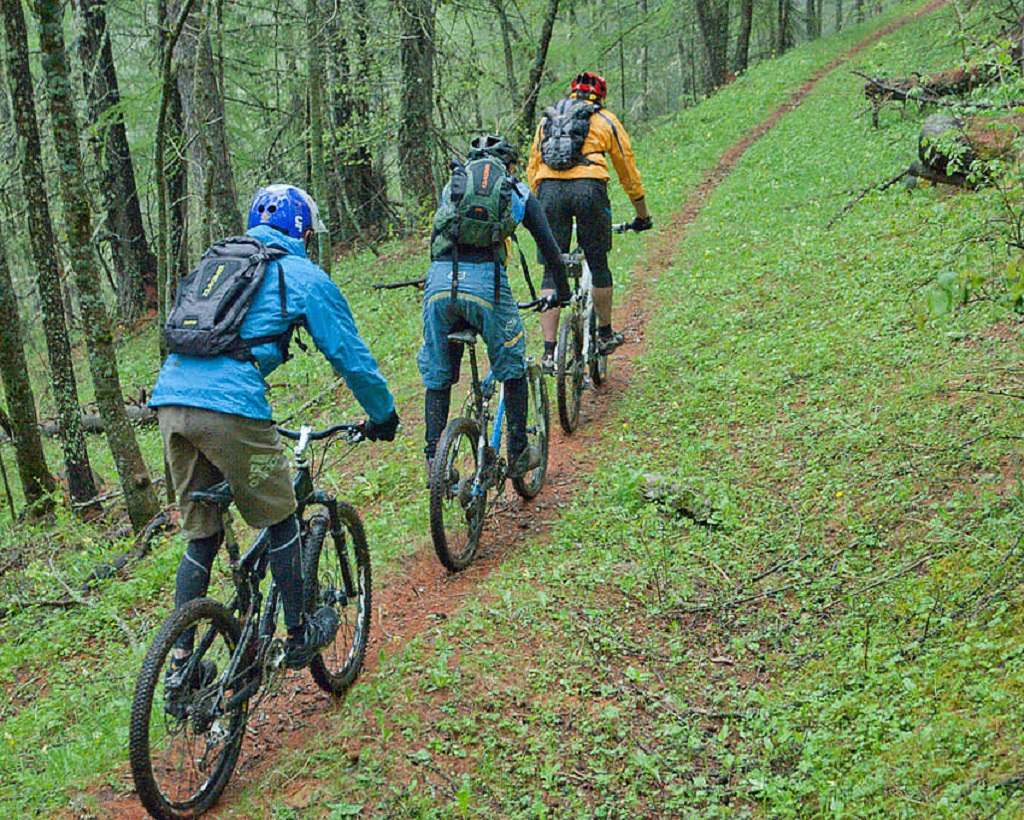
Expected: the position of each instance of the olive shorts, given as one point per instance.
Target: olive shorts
(204, 447)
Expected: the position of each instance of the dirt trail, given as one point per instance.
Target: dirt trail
(420, 594)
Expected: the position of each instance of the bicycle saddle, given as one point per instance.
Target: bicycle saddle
(465, 337)
(218, 494)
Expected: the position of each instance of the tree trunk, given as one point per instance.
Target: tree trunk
(741, 56)
(139, 495)
(645, 73)
(713, 19)
(528, 116)
(416, 117)
(203, 112)
(506, 42)
(359, 195)
(785, 28)
(315, 84)
(180, 262)
(81, 485)
(812, 18)
(36, 481)
(170, 175)
(224, 218)
(134, 263)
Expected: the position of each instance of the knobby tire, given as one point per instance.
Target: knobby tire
(181, 764)
(538, 426)
(336, 573)
(456, 515)
(598, 364)
(570, 372)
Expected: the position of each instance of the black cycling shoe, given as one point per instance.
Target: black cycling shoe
(179, 689)
(320, 629)
(607, 344)
(547, 364)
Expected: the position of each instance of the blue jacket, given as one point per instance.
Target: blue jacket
(312, 301)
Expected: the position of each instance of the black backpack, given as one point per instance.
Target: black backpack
(566, 125)
(212, 300)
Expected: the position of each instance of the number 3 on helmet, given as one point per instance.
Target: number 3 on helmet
(287, 208)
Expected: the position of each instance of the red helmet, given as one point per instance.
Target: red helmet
(587, 84)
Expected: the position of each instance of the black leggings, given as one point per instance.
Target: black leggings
(193, 579)
(586, 200)
(436, 413)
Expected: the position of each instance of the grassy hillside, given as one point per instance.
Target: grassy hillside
(839, 642)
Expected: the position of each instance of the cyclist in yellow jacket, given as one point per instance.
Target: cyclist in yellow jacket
(568, 171)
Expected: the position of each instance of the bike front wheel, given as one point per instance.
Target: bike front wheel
(570, 371)
(183, 743)
(598, 363)
(457, 502)
(538, 421)
(336, 573)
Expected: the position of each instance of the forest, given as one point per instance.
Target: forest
(777, 570)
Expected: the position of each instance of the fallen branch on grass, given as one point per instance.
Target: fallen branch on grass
(142, 546)
(878, 187)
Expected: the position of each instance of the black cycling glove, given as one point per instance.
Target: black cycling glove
(553, 300)
(382, 430)
(643, 223)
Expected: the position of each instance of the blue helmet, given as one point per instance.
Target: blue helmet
(287, 208)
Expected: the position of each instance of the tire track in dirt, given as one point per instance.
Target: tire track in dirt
(419, 594)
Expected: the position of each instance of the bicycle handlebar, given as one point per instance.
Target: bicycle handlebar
(419, 284)
(540, 304)
(353, 432)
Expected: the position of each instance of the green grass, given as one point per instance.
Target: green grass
(842, 643)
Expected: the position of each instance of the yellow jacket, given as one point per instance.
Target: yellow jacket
(606, 138)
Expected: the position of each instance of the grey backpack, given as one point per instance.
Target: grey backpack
(565, 129)
(212, 300)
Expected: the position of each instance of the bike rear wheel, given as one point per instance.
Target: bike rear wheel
(337, 574)
(538, 425)
(183, 749)
(598, 362)
(570, 371)
(456, 509)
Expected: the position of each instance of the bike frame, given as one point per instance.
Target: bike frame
(583, 297)
(482, 393)
(249, 571)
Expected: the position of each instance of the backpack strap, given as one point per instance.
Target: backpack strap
(615, 132)
(455, 272)
(242, 349)
(526, 269)
(275, 255)
(498, 247)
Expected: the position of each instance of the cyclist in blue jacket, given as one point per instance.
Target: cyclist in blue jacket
(216, 421)
(498, 322)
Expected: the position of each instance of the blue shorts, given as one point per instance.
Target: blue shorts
(501, 327)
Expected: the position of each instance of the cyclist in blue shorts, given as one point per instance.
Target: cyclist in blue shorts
(482, 299)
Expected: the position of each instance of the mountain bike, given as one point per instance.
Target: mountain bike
(183, 749)
(468, 463)
(577, 354)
